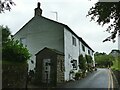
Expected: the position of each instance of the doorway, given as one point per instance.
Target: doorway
(46, 71)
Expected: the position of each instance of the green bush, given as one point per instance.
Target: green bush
(82, 62)
(14, 75)
(89, 63)
(77, 75)
(88, 59)
(14, 61)
(12, 50)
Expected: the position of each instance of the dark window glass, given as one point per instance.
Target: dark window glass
(74, 64)
(83, 48)
(88, 51)
(74, 41)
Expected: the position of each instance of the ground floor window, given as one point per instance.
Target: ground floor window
(74, 64)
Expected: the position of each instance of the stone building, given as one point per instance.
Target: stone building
(49, 67)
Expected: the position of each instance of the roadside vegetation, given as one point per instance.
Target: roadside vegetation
(103, 60)
(14, 61)
(85, 66)
(116, 63)
(116, 67)
(109, 61)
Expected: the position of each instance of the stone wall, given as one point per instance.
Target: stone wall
(14, 75)
(117, 74)
(60, 69)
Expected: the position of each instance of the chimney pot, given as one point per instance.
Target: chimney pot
(38, 10)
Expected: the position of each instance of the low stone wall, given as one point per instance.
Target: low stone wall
(116, 79)
(117, 75)
(14, 75)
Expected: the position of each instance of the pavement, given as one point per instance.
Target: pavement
(102, 78)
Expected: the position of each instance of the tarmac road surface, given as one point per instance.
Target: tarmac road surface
(101, 78)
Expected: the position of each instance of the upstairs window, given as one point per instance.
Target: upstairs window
(74, 41)
(23, 41)
(83, 48)
(89, 52)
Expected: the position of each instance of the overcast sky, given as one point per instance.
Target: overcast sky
(70, 13)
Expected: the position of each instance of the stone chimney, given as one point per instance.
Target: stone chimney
(38, 10)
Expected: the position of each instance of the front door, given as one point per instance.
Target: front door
(46, 71)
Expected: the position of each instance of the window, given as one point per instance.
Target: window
(74, 64)
(89, 52)
(74, 41)
(23, 41)
(83, 48)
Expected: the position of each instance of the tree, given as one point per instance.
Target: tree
(14, 61)
(6, 5)
(104, 60)
(104, 13)
(12, 50)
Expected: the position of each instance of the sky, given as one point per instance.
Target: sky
(70, 13)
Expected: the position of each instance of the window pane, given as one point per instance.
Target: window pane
(74, 64)
(88, 51)
(83, 48)
(74, 41)
(23, 41)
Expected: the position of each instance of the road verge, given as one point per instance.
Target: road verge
(115, 82)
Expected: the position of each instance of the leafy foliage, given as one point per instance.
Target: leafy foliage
(116, 63)
(88, 59)
(12, 50)
(104, 60)
(14, 65)
(77, 75)
(15, 51)
(6, 5)
(104, 13)
(5, 34)
(82, 62)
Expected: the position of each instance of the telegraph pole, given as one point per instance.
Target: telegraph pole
(118, 40)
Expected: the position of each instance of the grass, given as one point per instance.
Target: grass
(116, 64)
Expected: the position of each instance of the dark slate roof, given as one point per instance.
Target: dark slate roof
(64, 26)
(52, 50)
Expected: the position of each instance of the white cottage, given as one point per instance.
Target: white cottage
(42, 32)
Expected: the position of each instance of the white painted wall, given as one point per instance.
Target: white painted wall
(40, 33)
(71, 51)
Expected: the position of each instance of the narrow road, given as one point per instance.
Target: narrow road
(101, 78)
